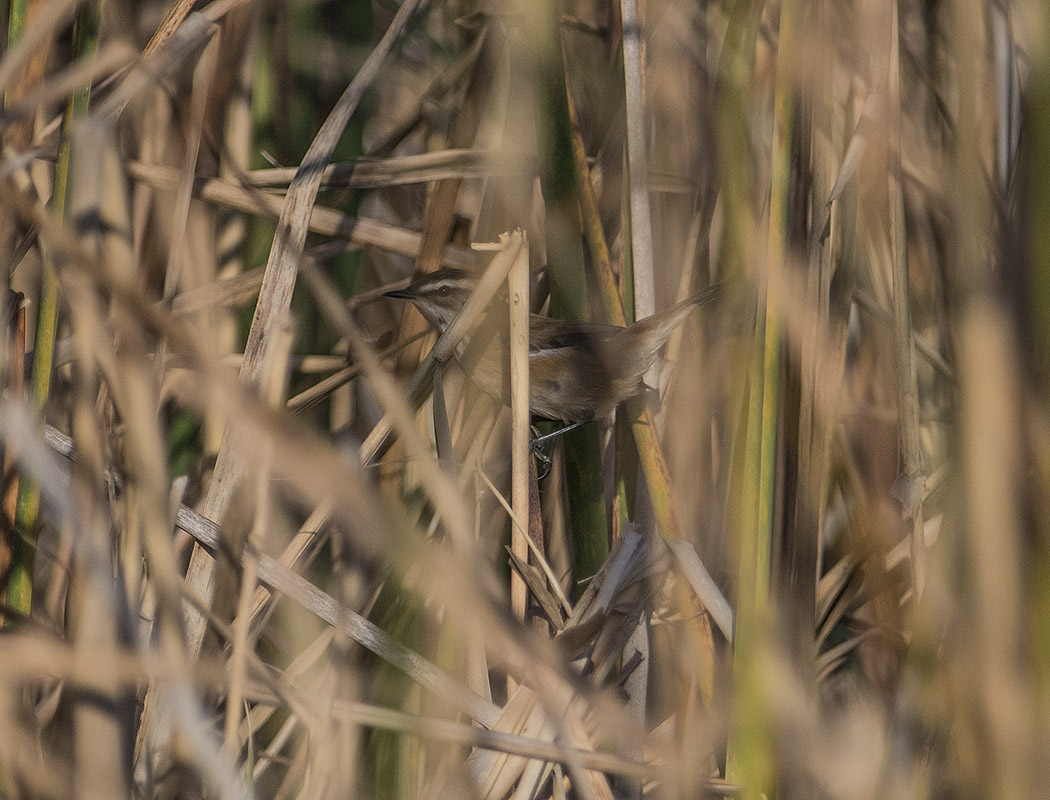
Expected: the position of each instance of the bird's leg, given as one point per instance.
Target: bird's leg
(536, 446)
(539, 441)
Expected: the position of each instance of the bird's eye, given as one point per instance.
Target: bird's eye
(444, 291)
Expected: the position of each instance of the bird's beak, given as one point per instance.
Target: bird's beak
(400, 294)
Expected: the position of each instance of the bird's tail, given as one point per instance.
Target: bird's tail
(643, 340)
(657, 329)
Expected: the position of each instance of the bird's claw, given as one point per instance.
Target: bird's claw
(543, 461)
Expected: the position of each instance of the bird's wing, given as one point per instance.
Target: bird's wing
(547, 334)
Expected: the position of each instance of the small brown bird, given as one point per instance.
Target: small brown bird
(577, 370)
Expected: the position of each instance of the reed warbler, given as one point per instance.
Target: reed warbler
(578, 371)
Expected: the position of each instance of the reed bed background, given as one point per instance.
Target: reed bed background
(255, 545)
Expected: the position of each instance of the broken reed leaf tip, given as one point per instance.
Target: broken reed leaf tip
(504, 240)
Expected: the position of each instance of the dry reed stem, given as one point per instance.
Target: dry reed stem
(324, 221)
(280, 578)
(637, 156)
(275, 294)
(111, 59)
(644, 428)
(518, 299)
(39, 31)
(437, 165)
(441, 204)
(909, 487)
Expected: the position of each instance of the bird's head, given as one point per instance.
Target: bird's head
(439, 296)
